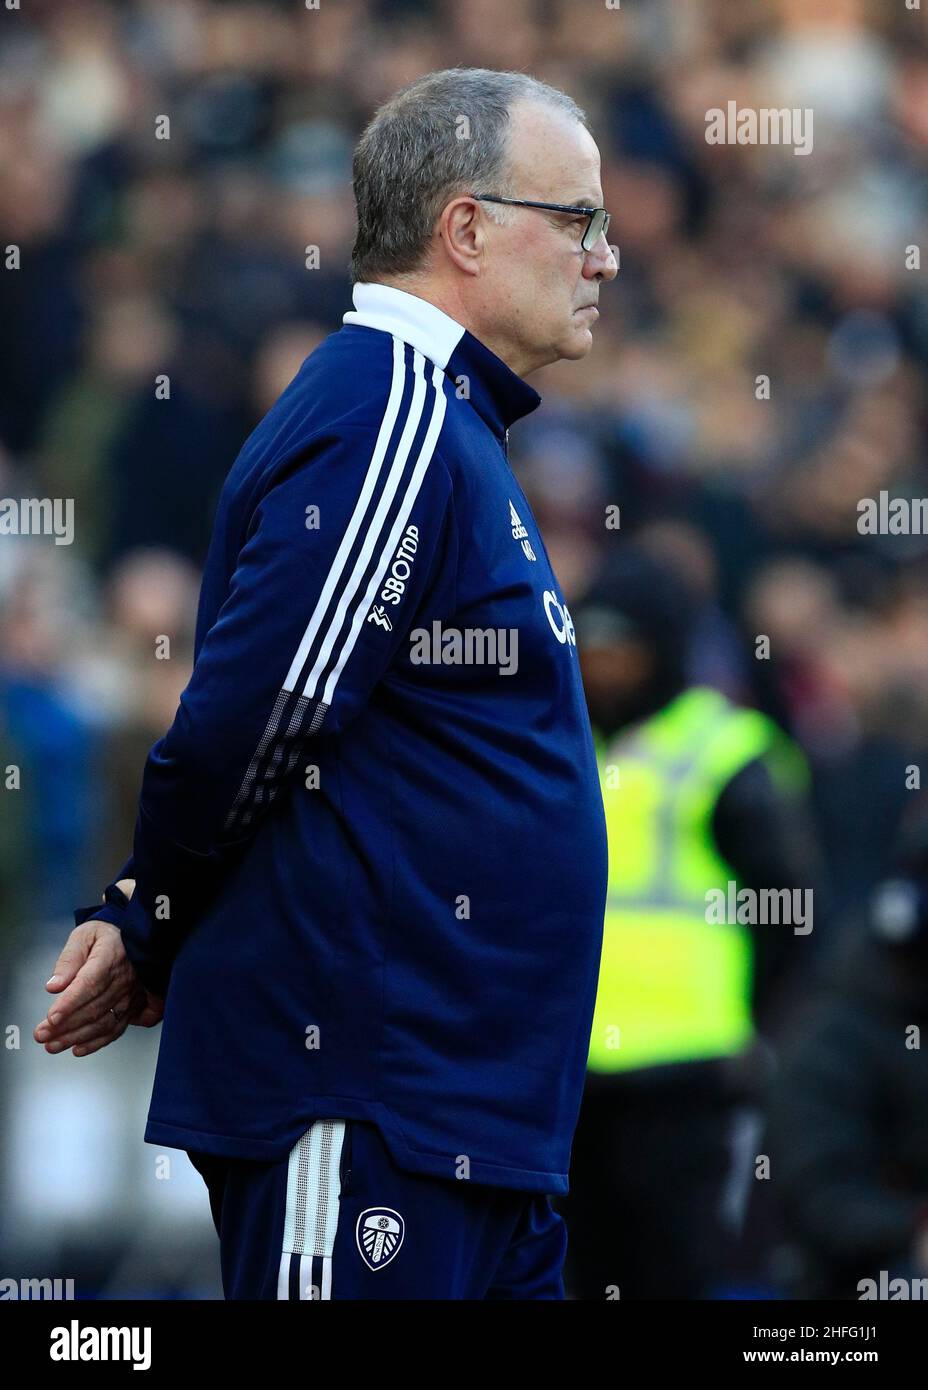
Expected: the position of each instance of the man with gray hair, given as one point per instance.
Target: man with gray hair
(367, 892)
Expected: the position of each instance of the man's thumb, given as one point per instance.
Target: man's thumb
(73, 956)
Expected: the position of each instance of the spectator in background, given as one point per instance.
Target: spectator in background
(137, 671)
(848, 1128)
(700, 794)
(50, 737)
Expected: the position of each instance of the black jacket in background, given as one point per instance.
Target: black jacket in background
(848, 1127)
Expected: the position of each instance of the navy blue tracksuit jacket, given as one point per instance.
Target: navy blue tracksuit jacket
(370, 865)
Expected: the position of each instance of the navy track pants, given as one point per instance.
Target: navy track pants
(338, 1219)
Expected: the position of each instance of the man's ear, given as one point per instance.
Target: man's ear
(462, 230)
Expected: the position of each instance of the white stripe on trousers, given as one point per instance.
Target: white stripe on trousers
(311, 1220)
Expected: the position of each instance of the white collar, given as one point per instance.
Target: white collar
(407, 316)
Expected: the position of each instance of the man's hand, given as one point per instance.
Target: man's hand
(98, 992)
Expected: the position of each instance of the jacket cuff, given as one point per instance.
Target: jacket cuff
(100, 912)
(130, 917)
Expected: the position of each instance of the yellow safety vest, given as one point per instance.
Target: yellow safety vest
(672, 986)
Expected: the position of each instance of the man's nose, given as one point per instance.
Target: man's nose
(600, 263)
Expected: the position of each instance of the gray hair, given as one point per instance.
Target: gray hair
(443, 134)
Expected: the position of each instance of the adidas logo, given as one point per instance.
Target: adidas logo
(519, 532)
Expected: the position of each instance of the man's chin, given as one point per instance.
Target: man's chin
(577, 344)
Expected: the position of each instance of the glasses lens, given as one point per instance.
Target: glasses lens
(598, 224)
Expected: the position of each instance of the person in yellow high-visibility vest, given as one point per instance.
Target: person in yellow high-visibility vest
(701, 797)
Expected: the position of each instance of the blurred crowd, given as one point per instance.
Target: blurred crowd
(758, 368)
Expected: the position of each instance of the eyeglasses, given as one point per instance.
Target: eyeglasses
(597, 226)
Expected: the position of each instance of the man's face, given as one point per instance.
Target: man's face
(616, 680)
(538, 283)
